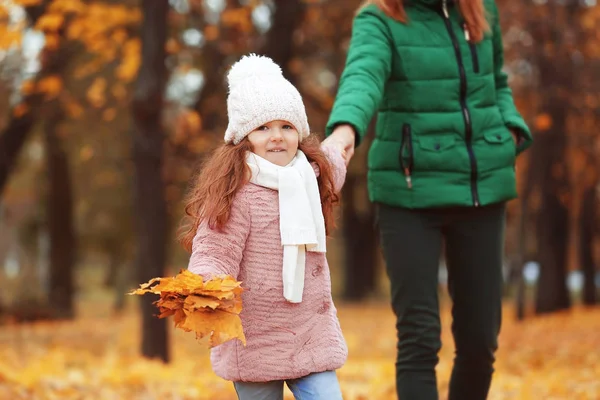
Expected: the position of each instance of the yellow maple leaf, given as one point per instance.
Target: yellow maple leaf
(9, 38)
(219, 326)
(52, 41)
(50, 22)
(96, 92)
(194, 302)
(130, 60)
(51, 85)
(27, 3)
(67, 6)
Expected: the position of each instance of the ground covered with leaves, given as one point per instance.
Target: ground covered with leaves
(96, 357)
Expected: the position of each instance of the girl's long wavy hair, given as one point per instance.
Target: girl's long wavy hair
(472, 11)
(224, 173)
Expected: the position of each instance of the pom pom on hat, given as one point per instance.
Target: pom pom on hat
(258, 94)
(252, 66)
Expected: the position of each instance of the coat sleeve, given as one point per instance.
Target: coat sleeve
(216, 252)
(504, 98)
(338, 166)
(367, 69)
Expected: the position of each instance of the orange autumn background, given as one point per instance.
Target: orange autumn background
(98, 108)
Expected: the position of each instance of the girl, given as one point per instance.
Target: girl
(441, 167)
(261, 209)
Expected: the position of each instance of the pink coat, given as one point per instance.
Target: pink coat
(284, 340)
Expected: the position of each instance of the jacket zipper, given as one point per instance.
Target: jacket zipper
(463, 103)
(407, 142)
(473, 49)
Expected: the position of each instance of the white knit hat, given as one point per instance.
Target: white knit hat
(258, 94)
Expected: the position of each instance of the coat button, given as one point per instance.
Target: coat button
(437, 146)
(317, 271)
(498, 137)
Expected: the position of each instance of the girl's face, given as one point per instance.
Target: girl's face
(275, 141)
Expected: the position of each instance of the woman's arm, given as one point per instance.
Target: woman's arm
(368, 66)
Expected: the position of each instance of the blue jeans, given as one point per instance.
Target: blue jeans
(318, 386)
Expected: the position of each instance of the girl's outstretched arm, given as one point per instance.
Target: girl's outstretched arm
(338, 165)
(216, 252)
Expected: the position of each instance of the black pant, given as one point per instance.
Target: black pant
(412, 243)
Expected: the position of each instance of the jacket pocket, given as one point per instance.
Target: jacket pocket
(406, 154)
(437, 143)
(500, 150)
(496, 138)
(439, 152)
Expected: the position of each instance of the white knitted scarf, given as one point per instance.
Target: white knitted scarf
(302, 225)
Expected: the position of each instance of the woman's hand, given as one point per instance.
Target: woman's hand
(343, 138)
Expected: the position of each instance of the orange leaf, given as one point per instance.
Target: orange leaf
(51, 85)
(28, 87)
(52, 42)
(27, 3)
(74, 110)
(195, 302)
(86, 153)
(9, 37)
(20, 110)
(109, 114)
(119, 91)
(50, 22)
(543, 122)
(211, 32)
(130, 64)
(67, 6)
(96, 92)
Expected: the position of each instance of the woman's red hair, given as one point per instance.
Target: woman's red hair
(472, 11)
(225, 172)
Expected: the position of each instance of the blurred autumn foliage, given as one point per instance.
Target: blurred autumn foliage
(107, 106)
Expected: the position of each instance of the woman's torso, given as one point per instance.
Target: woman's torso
(439, 121)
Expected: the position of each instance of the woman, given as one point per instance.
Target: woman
(441, 167)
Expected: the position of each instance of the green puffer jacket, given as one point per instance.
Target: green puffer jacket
(445, 110)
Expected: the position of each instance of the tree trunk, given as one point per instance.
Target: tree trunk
(549, 152)
(149, 197)
(11, 142)
(587, 232)
(280, 38)
(15, 133)
(60, 220)
(552, 223)
(553, 219)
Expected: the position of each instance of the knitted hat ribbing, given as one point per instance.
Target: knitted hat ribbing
(258, 93)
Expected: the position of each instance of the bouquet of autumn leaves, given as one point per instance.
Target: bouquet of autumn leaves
(209, 308)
